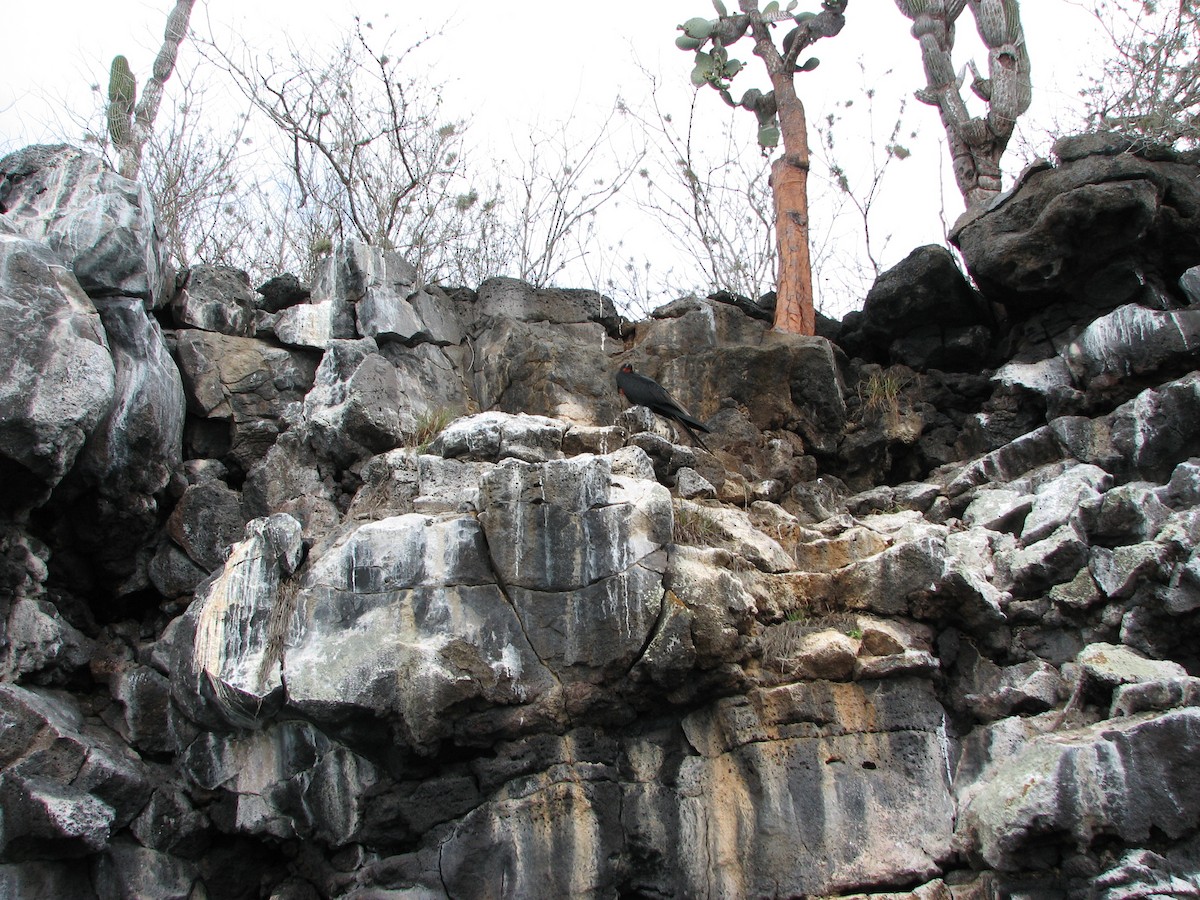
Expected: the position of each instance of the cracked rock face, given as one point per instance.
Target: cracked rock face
(416, 606)
(414, 616)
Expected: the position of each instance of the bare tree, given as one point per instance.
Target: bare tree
(558, 194)
(130, 123)
(204, 194)
(1150, 86)
(861, 186)
(977, 143)
(371, 155)
(713, 202)
(365, 143)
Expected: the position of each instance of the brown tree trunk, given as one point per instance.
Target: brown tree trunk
(793, 295)
(793, 288)
(794, 310)
(789, 184)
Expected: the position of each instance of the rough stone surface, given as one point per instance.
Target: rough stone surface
(96, 223)
(57, 375)
(216, 298)
(397, 598)
(1081, 788)
(923, 313)
(1096, 227)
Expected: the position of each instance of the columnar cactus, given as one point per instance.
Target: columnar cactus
(129, 125)
(122, 89)
(976, 143)
(780, 116)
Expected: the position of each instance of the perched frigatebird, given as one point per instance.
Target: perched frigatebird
(643, 391)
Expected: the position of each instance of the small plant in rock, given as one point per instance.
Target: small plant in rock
(693, 527)
(429, 425)
(281, 612)
(879, 394)
(780, 643)
(799, 614)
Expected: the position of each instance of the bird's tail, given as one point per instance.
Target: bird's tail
(695, 437)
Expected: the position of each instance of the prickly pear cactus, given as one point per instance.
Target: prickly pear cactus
(709, 39)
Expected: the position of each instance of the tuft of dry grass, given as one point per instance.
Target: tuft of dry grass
(694, 528)
(429, 425)
(281, 614)
(880, 393)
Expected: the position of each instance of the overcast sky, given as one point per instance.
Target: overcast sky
(505, 66)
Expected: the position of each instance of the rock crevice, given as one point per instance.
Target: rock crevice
(368, 588)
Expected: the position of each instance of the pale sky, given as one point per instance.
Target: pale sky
(505, 66)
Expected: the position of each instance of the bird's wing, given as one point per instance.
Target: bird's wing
(645, 391)
(649, 391)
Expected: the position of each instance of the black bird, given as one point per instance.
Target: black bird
(643, 391)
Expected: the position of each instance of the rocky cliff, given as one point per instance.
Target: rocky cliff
(373, 589)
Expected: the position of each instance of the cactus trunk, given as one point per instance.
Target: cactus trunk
(794, 311)
(137, 123)
(122, 89)
(976, 143)
(793, 295)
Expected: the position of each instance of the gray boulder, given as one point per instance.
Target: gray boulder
(57, 374)
(280, 292)
(96, 223)
(1132, 340)
(243, 393)
(42, 818)
(508, 298)
(922, 313)
(1077, 788)
(206, 522)
(67, 787)
(493, 436)
(784, 743)
(1159, 428)
(287, 780)
(411, 316)
(314, 325)
(40, 645)
(544, 369)
(414, 595)
(218, 299)
(138, 444)
(1143, 873)
(229, 645)
(355, 408)
(1097, 227)
(126, 869)
(171, 824)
